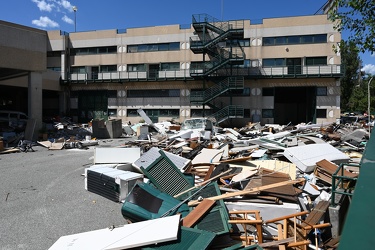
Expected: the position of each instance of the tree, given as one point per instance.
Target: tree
(359, 98)
(356, 16)
(352, 74)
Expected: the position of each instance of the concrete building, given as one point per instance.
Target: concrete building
(279, 70)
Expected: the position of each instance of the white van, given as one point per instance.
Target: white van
(14, 119)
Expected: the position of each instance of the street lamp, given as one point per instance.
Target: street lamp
(75, 18)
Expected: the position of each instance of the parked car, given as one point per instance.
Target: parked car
(14, 119)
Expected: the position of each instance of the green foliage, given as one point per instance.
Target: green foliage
(359, 98)
(352, 75)
(356, 16)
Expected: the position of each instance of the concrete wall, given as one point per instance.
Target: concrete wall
(22, 48)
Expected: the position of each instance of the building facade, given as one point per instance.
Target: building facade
(279, 70)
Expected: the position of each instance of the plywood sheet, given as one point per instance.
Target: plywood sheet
(277, 166)
(125, 237)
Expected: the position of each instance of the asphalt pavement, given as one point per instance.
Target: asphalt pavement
(42, 197)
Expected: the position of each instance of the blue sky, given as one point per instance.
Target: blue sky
(122, 14)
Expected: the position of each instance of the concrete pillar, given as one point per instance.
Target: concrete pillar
(63, 65)
(35, 107)
(63, 102)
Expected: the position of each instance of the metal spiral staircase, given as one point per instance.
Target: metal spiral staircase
(217, 40)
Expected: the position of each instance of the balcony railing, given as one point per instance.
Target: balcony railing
(130, 76)
(259, 72)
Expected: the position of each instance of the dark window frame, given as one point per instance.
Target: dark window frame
(290, 40)
(321, 113)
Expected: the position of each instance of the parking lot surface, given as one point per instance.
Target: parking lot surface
(42, 197)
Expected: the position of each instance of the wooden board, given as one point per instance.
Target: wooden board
(277, 165)
(251, 191)
(191, 219)
(10, 150)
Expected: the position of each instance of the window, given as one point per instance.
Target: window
(170, 66)
(267, 113)
(240, 42)
(320, 38)
(57, 69)
(321, 113)
(112, 93)
(303, 39)
(154, 93)
(321, 91)
(307, 39)
(239, 92)
(280, 40)
(199, 112)
(267, 41)
(94, 50)
(108, 68)
(163, 47)
(313, 61)
(155, 112)
(246, 113)
(112, 112)
(174, 46)
(136, 67)
(153, 47)
(132, 48)
(294, 39)
(268, 91)
(53, 53)
(78, 70)
(272, 62)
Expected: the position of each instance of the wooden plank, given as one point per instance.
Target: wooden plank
(191, 219)
(10, 150)
(281, 237)
(251, 191)
(204, 182)
(330, 168)
(209, 172)
(244, 221)
(287, 217)
(281, 243)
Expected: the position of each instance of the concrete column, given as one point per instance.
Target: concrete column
(35, 107)
(63, 65)
(64, 101)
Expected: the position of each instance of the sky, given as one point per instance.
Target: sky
(123, 14)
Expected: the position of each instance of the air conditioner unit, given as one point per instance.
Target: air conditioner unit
(113, 184)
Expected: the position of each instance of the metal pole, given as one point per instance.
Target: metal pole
(368, 103)
(75, 18)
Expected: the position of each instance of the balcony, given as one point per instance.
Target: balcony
(120, 76)
(247, 72)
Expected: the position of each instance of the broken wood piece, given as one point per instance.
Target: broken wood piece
(204, 182)
(281, 243)
(244, 220)
(299, 243)
(325, 169)
(281, 237)
(191, 219)
(250, 191)
(287, 217)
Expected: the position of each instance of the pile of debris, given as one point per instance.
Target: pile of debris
(257, 187)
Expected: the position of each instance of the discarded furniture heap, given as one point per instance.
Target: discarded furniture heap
(258, 187)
